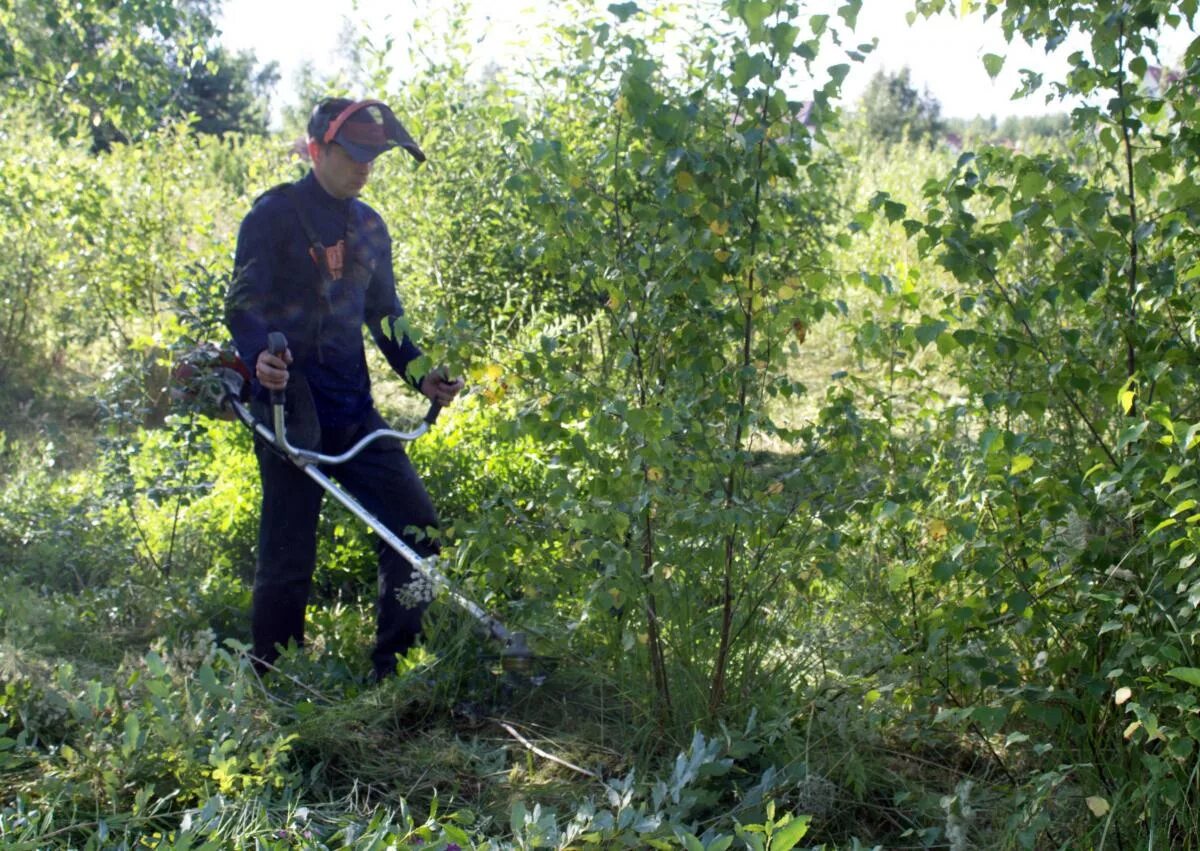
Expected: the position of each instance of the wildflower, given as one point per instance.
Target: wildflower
(417, 592)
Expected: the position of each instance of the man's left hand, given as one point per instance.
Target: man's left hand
(438, 388)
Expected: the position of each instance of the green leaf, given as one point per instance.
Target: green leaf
(990, 718)
(1131, 434)
(132, 733)
(993, 63)
(837, 73)
(927, 332)
(516, 818)
(1192, 437)
(783, 37)
(746, 67)
(1032, 183)
(754, 12)
(455, 834)
(1191, 676)
(1170, 521)
(752, 840)
(624, 11)
(1020, 463)
(848, 12)
(945, 570)
(787, 836)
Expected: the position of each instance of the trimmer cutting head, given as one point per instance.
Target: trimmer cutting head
(516, 664)
(516, 657)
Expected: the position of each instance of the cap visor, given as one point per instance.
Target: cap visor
(412, 148)
(361, 153)
(366, 153)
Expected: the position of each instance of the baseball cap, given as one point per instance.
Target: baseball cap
(364, 128)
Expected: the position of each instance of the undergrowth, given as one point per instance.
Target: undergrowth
(131, 716)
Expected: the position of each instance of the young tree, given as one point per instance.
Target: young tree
(230, 93)
(1057, 495)
(893, 110)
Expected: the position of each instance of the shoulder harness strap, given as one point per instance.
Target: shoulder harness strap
(288, 190)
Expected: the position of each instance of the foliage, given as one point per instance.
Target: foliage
(115, 71)
(641, 237)
(1050, 560)
(892, 110)
(685, 209)
(98, 64)
(99, 248)
(480, 246)
(1013, 129)
(78, 549)
(229, 94)
(37, 245)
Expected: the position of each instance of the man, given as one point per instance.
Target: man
(315, 263)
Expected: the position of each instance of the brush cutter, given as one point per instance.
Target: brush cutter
(515, 655)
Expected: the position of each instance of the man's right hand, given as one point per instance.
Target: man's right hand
(272, 370)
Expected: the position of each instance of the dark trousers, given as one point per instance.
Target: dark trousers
(383, 480)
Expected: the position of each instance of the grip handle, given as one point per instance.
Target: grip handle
(431, 415)
(277, 345)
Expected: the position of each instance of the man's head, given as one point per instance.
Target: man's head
(344, 138)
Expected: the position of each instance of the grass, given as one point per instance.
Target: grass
(399, 743)
(448, 735)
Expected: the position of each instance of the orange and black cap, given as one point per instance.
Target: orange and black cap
(364, 128)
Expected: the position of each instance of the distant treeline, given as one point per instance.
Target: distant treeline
(1011, 127)
(892, 109)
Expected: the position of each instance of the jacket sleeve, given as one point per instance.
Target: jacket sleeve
(246, 303)
(385, 314)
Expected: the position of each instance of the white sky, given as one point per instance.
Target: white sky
(943, 54)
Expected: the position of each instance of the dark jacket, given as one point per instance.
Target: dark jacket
(278, 286)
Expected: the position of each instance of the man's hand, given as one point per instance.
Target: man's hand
(438, 388)
(272, 370)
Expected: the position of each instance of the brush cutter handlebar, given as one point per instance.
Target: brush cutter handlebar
(277, 345)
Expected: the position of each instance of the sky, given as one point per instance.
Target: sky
(944, 55)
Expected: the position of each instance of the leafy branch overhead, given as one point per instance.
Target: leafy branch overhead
(114, 71)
